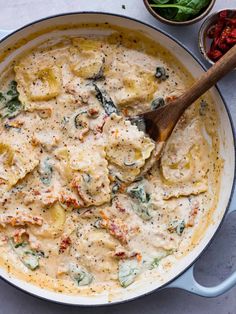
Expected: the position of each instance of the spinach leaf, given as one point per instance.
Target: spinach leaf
(21, 244)
(106, 101)
(180, 10)
(161, 74)
(139, 193)
(2, 98)
(142, 207)
(28, 257)
(128, 270)
(156, 260)
(80, 275)
(180, 227)
(10, 105)
(157, 103)
(12, 109)
(177, 226)
(13, 89)
(160, 1)
(115, 187)
(142, 211)
(46, 171)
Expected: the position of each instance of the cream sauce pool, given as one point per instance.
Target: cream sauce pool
(86, 205)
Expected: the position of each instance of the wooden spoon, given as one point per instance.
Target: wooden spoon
(161, 122)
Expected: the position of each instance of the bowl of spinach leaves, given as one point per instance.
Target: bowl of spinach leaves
(179, 12)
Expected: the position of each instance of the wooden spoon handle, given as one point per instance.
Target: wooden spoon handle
(226, 64)
(160, 123)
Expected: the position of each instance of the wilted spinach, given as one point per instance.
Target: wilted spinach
(156, 261)
(115, 187)
(139, 193)
(142, 211)
(10, 105)
(141, 206)
(161, 74)
(177, 226)
(128, 271)
(80, 275)
(106, 101)
(157, 103)
(46, 171)
(29, 257)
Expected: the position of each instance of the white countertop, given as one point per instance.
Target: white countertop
(219, 260)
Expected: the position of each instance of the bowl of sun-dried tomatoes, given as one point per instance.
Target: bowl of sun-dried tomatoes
(217, 34)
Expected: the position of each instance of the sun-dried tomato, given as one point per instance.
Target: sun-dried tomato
(215, 54)
(65, 243)
(223, 35)
(231, 22)
(231, 41)
(223, 15)
(211, 32)
(233, 32)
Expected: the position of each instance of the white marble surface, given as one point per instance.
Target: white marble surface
(219, 260)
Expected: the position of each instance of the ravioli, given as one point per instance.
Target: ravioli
(15, 164)
(102, 245)
(39, 78)
(86, 169)
(127, 148)
(87, 58)
(136, 85)
(91, 182)
(185, 161)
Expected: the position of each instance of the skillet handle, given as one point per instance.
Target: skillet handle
(4, 32)
(188, 282)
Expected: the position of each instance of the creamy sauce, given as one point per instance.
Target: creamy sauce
(85, 205)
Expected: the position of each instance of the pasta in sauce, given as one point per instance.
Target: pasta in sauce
(85, 205)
